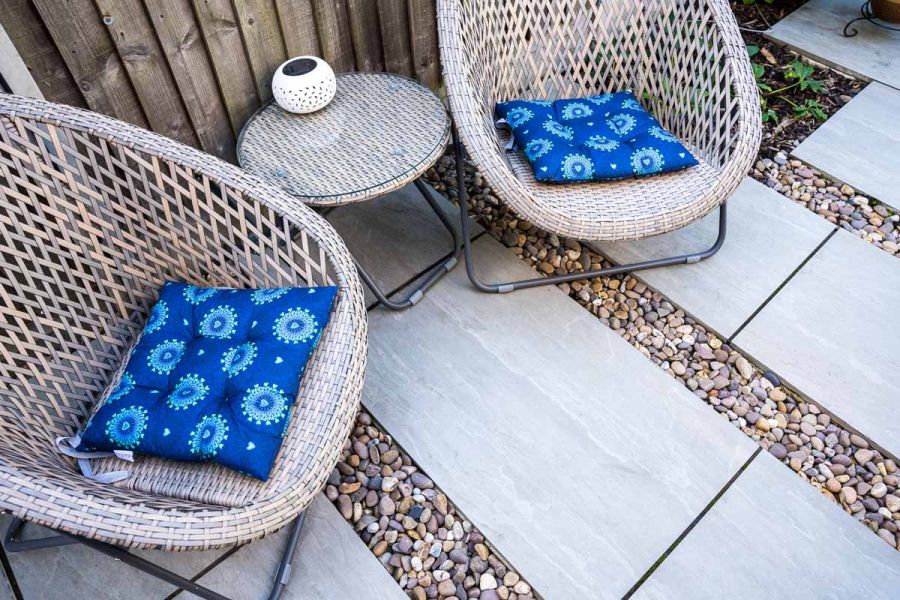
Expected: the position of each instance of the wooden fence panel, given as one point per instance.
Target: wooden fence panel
(180, 37)
(334, 33)
(424, 41)
(89, 54)
(195, 70)
(395, 36)
(146, 65)
(229, 60)
(365, 34)
(298, 27)
(32, 40)
(261, 31)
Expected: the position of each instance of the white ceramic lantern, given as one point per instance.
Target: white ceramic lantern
(303, 84)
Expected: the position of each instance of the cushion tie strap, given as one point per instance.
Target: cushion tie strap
(68, 445)
(503, 124)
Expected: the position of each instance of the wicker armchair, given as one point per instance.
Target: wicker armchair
(94, 215)
(684, 58)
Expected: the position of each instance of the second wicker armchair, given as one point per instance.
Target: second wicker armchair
(684, 58)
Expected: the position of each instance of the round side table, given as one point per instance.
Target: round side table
(379, 133)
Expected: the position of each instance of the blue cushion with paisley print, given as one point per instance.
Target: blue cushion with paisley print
(597, 138)
(213, 376)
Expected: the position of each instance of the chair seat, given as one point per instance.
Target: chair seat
(631, 208)
(213, 484)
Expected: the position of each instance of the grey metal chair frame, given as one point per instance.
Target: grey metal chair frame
(511, 286)
(12, 543)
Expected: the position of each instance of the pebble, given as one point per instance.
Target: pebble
(447, 588)
(863, 455)
(778, 450)
(487, 582)
(744, 368)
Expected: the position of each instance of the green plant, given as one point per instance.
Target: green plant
(801, 71)
(752, 2)
(810, 108)
(799, 76)
(767, 113)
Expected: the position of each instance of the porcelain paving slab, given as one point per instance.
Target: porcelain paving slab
(396, 236)
(832, 333)
(772, 529)
(77, 571)
(816, 30)
(331, 563)
(578, 459)
(768, 237)
(860, 144)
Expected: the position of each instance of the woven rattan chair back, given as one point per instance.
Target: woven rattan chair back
(683, 59)
(94, 216)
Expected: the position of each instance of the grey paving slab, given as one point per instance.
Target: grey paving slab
(332, 563)
(860, 144)
(832, 333)
(578, 458)
(76, 571)
(773, 535)
(815, 29)
(395, 236)
(768, 237)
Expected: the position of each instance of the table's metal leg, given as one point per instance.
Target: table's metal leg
(432, 276)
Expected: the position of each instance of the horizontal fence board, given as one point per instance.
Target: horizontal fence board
(231, 66)
(147, 68)
(77, 30)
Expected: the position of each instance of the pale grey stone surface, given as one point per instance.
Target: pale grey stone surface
(578, 458)
(76, 571)
(768, 236)
(395, 236)
(331, 563)
(773, 535)
(832, 333)
(860, 144)
(815, 29)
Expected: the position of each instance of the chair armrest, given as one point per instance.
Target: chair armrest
(711, 101)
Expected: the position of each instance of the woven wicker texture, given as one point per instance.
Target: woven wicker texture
(94, 215)
(379, 133)
(684, 59)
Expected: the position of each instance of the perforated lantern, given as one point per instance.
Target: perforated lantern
(303, 84)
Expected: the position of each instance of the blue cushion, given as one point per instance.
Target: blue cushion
(213, 376)
(598, 138)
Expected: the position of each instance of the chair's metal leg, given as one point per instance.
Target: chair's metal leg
(12, 544)
(433, 276)
(282, 576)
(556, 279)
